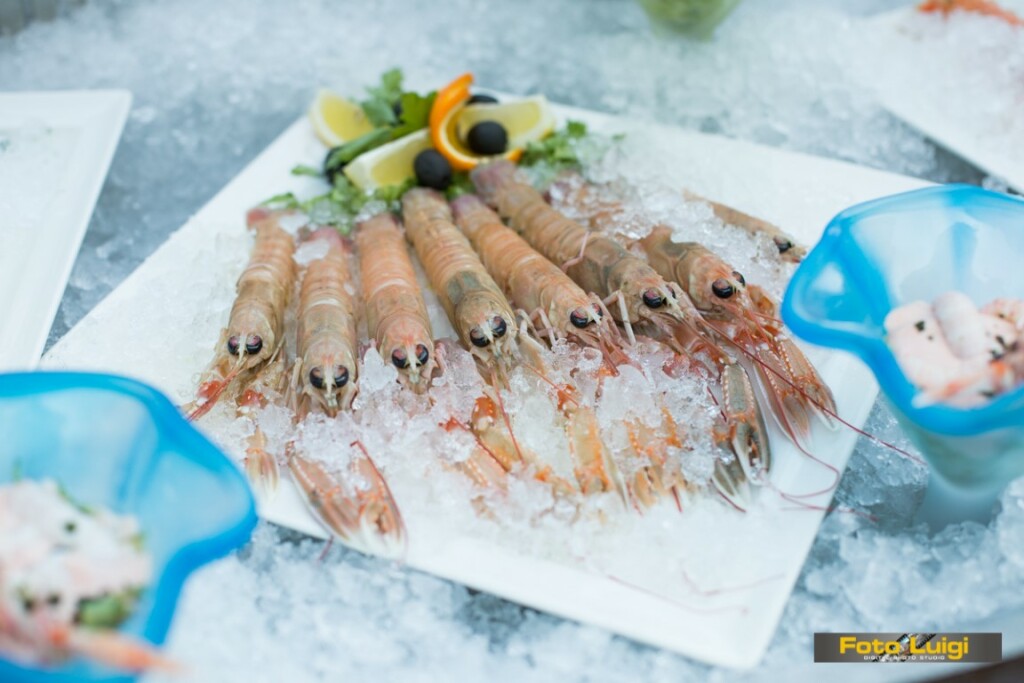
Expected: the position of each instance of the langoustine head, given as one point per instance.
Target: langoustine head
(326, 337)
(409, 348)
(254, 328)
(490, 332)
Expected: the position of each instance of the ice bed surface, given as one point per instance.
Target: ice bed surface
(214, 84)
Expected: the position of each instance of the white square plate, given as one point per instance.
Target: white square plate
(199, 264)
(55, 149)
(930, 104)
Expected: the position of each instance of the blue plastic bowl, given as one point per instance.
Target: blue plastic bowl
(913, 246)
(116, 443)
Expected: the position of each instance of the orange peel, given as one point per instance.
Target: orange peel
(444, 115)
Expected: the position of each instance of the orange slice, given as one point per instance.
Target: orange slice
(444, 116)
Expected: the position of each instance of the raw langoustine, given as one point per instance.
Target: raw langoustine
(637, 293)
(358, 506)
(396, 315)
(554, 304)
(255, 331)
(599, 264)
(745, 314)
(475, 305)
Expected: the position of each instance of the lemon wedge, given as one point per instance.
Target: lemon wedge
(337, 120)
(389, 164)
(525, 120)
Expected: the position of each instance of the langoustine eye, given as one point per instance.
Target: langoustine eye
(579, 318)
(253, 344)
(400, 359)
(422, 354)
(478, 338)
(722, 288)
(653, 299)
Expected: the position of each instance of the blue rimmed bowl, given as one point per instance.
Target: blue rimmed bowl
(913, 246)
(116, 443)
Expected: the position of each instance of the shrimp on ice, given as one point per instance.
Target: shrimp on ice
(357, 505)
(255, 332)
(789, 249)
(554, 304)
(396, 315)
(597, 263)
(475, 305)
(747, 316)
(983, 7)
(536, 284)
(564, 311)
(603, 264)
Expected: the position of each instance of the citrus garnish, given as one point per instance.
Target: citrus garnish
(337, 120)
(449, 105)
(526, 120)
(390, 164)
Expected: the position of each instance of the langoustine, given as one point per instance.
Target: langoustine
(356, 505)
(396, 315)
(255, 331)
(474, 303)
(636, 293)
(559, 309)
(745, 314)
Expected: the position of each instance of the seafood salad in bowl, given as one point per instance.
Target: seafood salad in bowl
(69, 576)
(921, 287)
(99, 524)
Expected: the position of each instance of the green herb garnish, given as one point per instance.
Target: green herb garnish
(303, 169)
(415, 113)
(379, 107)
(107, 611)
(340, 206)
(560, 149)
(461, 184)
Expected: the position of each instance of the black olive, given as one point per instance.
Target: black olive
(488, 138)
(482, 99)
(432, 170)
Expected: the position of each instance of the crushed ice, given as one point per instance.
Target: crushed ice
(208, 97)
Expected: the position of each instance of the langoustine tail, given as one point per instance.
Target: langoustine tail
(362, 513)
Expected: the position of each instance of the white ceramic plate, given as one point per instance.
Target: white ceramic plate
(911, 99)
(55, 149)
(168, 345)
